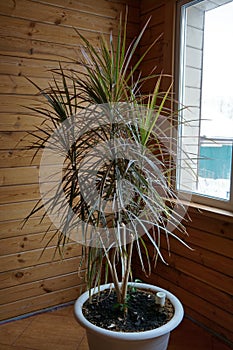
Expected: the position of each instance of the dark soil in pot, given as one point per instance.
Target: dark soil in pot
(143, 313)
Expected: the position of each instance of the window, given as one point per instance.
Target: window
(205, 89)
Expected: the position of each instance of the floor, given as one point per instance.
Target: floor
(59, 330)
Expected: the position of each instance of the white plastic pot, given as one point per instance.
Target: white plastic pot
(103, 339)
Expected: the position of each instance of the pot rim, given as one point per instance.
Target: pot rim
(166, 328)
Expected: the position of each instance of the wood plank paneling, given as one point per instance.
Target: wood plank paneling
(38, 49)
(215, 225)
(19, 66)
(18, 103)
(34, 37)
(201, 278)
(161, 24)
(36, 256)
(204, 257)
(17, 84)
(16, 228)
(67, 13)
(18, 122)
(11, 194)
(14, 140)
(39, 272)
(185, 281)
(15, 211)
(20, 244)
(24, 306)
(23, 175)
(35, 30)
(203, 273)
(18, 158)
(105, 8)
(40, 287)
(206, 310)
(210, 242)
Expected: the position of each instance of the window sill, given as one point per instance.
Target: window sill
(210, 211)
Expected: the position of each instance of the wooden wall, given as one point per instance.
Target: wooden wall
(202, 278)
(34, 36)
(161, 26)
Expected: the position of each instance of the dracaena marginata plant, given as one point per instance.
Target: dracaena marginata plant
(115, 149)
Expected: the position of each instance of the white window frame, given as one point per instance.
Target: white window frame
(179, 66)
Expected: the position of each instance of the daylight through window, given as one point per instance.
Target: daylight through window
(205, 89)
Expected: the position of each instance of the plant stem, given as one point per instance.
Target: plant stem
(125, 278)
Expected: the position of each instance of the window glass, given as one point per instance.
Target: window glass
(205, 87)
